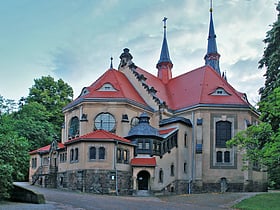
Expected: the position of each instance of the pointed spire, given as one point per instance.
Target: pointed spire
(111, 63)
(164, 55)
(164, 64)
(212, 57)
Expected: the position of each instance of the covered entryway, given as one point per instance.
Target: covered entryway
(143, 178)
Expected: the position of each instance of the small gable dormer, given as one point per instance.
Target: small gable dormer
(84, 91)
(107, 87)
(220, 92)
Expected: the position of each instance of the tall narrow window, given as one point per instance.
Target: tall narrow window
(92, 153)
(119, 155)
(76, 154)
(172, 170)
(71, 154)
(101, 152)
(185, 167)
(125, 156)
(160, 175)
(185, 140)
(219, 157)
(223, 133)
(227, 156)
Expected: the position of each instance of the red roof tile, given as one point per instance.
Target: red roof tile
(99, 135)
(143, 161)
(46, 149)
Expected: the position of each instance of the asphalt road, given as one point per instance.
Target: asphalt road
(58, 199)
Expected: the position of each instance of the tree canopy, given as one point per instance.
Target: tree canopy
(270, 58)
(53, 95)
(14, 157)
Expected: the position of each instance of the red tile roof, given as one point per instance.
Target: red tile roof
(166, 131)
(99, 135)
(184, 91)
(125, 90)
(193, 88)
(46, 149)
(143, 161)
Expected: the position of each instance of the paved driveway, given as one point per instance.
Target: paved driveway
(57, 199)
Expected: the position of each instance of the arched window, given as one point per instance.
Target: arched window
(172, 170)
(227, 156)
(76, 154)
(219, 157)
(160, 175)
(125, 156)
(101, 152)
(223, 133)
(71, 155)
(92, 153)
(74, 127)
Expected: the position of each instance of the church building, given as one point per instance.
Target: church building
(132, 132)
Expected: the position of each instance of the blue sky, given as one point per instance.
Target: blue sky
(74, 39)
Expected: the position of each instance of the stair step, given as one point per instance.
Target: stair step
(143, 193)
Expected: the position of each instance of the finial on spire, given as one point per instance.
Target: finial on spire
(111, 65)
(164, 26)
(164, 21)
(211, 6)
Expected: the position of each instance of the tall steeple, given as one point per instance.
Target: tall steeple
(212, 57)
(164, 64)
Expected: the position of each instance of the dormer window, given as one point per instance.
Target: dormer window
(220, 92)
(107, 87)
(84, 91)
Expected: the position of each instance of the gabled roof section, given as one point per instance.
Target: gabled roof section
(46, 149)
(121, 88)
(148, 162)
(194, 88)
(99, 135)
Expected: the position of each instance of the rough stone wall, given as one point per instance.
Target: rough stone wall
(96, 181)
(231, 187)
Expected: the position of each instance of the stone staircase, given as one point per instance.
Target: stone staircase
(142, 193)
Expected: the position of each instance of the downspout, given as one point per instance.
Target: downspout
(193, 155)
(115, 167)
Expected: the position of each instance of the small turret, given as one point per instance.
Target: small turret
(125, 57)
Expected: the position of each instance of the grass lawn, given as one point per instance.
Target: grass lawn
(267, 201)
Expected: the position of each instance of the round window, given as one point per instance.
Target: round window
(105, 121)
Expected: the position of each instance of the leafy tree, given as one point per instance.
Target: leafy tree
(271, 58)
(14, 157)
(270, 107)
(32, 122)
(53, 95)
